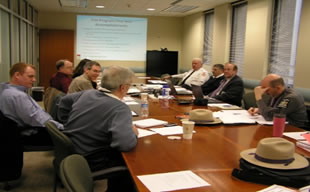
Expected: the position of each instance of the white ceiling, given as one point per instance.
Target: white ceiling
(129, 7)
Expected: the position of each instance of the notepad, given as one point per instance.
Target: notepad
(149, 123)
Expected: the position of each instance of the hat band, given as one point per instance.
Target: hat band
(273, 161)
(202, 121)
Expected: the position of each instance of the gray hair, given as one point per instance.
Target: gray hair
(90, 64)
(115, 76)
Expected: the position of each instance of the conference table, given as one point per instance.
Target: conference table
(212, 153)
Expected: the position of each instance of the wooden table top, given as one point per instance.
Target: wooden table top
(212, 153)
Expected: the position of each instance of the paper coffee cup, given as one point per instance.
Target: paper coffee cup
(188, 127)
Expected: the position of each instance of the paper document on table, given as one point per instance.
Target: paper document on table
(183, 91)
(304, 145)
(134, 114)
(276, 188)
(144, 133)
(149, 122)
(295, 135)
(260, 120)
(132, 103)
(224, 106)
(157, 81)
(234, 117)
(152, 86)
(127, 98)
(172, 181)
(174, 130)
(133, 90)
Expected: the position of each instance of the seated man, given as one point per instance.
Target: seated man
(18, 106)
(62, 79)
(230, 89)
(92, 70)
(214, 80)
(283, 100)
(196, 76)
(100, 124)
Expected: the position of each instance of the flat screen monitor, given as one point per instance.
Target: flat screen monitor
(161, 62)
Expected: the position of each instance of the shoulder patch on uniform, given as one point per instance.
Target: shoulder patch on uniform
(283, 103)
(204, 74)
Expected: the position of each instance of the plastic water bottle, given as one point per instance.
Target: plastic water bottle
(144, 105)
(164, 102)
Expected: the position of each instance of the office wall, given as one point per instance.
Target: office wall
(303, 57)
(257, 38)
(192, 45)
(161, 32)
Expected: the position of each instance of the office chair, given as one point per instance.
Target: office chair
(11, 148)
(75, 174)
(63, 148)
(249, 100)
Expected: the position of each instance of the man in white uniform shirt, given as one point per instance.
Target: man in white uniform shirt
(196, 76)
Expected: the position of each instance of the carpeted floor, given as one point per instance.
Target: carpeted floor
(38, 175)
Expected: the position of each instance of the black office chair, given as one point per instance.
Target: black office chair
(12, 148)
(63, 148)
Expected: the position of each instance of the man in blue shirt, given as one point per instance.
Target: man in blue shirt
(18, 106)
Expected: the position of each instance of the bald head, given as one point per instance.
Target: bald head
(274, 83)
(196, 63)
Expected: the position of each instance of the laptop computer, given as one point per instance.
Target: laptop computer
(177, 91)
(197, 92)
(174, 92)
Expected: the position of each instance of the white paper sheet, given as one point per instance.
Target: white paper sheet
(157, 81)
(127, 98)
(172, 181)
(132, 103)
(234, 117)
(224, 106)
(174, 130)
(304, 145)
(134, 113)
(276, 188)
(149, 122)
(133, 90)
(295, 135)
(144, 133)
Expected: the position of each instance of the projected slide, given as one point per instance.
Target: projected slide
(111, 38)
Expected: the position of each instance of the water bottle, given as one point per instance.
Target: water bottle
(144, 105)
(164, 102)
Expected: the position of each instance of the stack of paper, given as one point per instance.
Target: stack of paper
(304, 145)
(149, 123)
(295, 135)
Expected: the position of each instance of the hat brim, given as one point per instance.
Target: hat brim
(299, 162)
(216, 121)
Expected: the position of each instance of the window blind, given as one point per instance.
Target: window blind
(208, 38)
(285, 26)
(238, 27)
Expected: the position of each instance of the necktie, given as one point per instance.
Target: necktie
(186, 78)
(219, 89)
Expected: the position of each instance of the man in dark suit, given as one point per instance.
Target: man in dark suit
(230, 89)
(215, 79)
